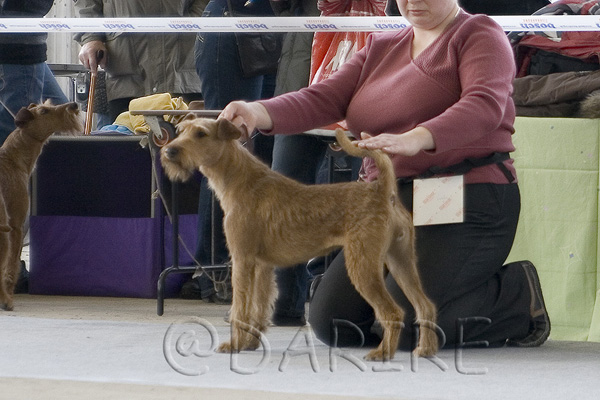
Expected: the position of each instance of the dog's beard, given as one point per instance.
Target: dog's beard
(72, 126)
(77, 126)
(175, 172)
(69, 132)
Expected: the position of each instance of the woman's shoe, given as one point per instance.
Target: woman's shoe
(540, 321)
(283, 320)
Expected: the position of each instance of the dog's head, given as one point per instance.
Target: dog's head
(200, 143)
(41, 121)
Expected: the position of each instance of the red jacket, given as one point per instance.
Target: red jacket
(582, 45)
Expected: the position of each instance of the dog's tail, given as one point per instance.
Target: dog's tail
(386, 169)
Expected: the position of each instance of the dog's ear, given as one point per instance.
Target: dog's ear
(188, 116)
(226, 130)
(23, 116)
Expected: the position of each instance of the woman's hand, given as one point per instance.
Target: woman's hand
(407, 144)
(93, 54)
(247, 117)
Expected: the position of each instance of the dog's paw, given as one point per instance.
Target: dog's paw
(425, 351)
(229, 347)
(226, 347)
(7, 306)
(251, 343)
(379, 354)
(428, 345)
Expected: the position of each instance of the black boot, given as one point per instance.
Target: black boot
(23, 280)
(540, 321)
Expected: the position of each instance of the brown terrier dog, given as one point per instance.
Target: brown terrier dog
(18, 156)
(271, 220)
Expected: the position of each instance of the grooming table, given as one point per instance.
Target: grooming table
(97, 227)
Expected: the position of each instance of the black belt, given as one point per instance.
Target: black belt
(465, 166)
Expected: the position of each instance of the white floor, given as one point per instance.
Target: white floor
(91, 346)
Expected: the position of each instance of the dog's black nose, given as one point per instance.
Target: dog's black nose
(171, 152)
(73, 106)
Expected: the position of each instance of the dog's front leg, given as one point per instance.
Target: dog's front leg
(266, 291)
(3, 270)
(245, 330)
(10, 248)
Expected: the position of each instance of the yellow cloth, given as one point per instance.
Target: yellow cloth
(160, 101)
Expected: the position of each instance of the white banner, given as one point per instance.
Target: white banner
(276, 24)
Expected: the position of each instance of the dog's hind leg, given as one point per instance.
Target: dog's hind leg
(365, 270)
(401, 262)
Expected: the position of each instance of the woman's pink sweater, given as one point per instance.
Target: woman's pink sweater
(459, 88)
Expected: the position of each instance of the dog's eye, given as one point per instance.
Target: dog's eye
(200, 134)
(43, 111)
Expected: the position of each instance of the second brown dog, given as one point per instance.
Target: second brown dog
(18, 156)
(271, 220)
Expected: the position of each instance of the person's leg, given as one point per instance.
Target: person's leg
(118, 106)
(297, 157)
(262, 145)
(217, 65)
(52, 90)
(461, 269)
(20, 85)
(337, 313)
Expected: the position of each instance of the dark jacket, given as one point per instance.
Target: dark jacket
(555, 95)
(502, 7)
(23, 48)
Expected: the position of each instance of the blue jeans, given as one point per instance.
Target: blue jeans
(298, 157)
(21, 85)
(218, 66)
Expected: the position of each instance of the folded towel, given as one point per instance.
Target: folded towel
(160, 101)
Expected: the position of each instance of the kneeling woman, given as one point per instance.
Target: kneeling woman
(431, 95)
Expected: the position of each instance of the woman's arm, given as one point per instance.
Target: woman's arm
(486, 71)
(320, 104)
(247, 117)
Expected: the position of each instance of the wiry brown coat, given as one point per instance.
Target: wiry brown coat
(18, 156)
(271, 220)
